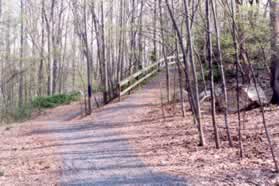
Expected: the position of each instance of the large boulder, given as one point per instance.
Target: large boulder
(206, 94)
(248, 98)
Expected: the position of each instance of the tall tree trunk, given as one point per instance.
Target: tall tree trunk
(274, 15)
(192, 61)
(237, 64)
(220, 60)
(192, 98)
(140, 40)
(88, 58)
(41, 66)
(104, 62)
(155, 31)
(210, 61)
(74, 66)
(49, 77)
(20, 93)
(120, 42)
(132, 38)
(49, 26)
(179, 68)
(162, 27)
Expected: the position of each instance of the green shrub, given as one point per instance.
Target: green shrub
(216, 71)
(25, 111)
(42, 102)
(55, 100)
(217, 75)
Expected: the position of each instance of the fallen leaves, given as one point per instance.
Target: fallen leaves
(174, 146)
(27, 157)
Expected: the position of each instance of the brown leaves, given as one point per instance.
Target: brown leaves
(174, 142)
(22, 159)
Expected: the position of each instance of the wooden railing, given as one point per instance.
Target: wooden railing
(131, 82)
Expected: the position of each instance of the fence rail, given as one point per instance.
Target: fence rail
(131, 82)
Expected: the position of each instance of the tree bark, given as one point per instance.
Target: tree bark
(20, 93)
(192, 99)
(192, 61)
(220, 60)
(237, 64)
(274, 15)
(162, 26)
(210, 61)
(41, 66)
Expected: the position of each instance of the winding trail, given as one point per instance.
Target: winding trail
(96, 153)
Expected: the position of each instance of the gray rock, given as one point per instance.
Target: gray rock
(248, 98)
(252, 94)
(204, 95)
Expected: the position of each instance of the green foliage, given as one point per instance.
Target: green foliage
(25, 111)
(227, 47)
(253, 31)
(216, 72)
(53, 101)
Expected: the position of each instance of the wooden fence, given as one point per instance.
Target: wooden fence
(133, 81)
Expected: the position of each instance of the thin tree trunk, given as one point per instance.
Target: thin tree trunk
(140, 38)
(192, 98)
(40, 73)
(196, 88)
(104, 63)
(237, 64)
(155, 31)
(220, 60)
(88, 57)
(179, 68)
(164, 50)
(212, 85)
(274, 6)
(20, 93)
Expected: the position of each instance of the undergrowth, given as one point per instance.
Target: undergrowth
(54, 101)
(39, 103)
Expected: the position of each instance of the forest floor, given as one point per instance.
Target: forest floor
(138, 141)
(166, 138)
(172, 141)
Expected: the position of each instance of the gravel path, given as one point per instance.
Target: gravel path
(96, 153)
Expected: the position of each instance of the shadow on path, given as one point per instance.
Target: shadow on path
(95, 153)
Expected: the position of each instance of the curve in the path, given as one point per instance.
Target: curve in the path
(95, 153)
